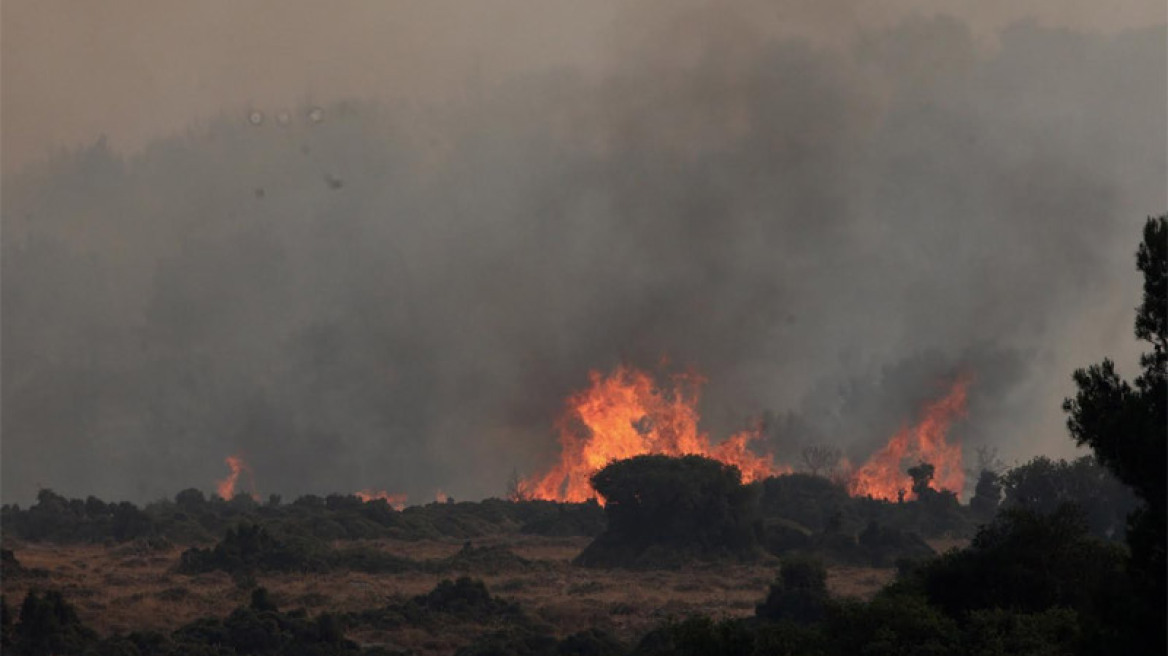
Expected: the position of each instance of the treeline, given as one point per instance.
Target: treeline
(193, 518)
(794, 511)
(665, 512)
(1041, 484)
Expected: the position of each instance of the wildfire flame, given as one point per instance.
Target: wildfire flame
(441, 497)
(396, 501)
(625, 414)
(883, 475)
(226, 487)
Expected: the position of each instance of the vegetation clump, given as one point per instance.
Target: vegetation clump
(48, 624)
(464, 599)
(191, 517)
(10, 567)
(251, 548)
(798, 595)
(663, 512)
(883, 546)
(490, 559)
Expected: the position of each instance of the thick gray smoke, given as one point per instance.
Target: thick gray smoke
(368, 294)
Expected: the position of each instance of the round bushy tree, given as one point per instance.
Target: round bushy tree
(663, 510)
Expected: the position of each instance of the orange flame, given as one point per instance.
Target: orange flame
(441, 497)
(626, 414)
(226, 487)
(396, 501)
(883, 476)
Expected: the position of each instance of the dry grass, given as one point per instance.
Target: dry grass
(115, 591)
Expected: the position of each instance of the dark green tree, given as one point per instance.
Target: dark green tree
(987, 495)
(1126, 426)
(809, 500)
(262, 600)
(1026, 561)
(49, 625)
(190, 499)
(5, 624)
(1042, 485)
(664, 510)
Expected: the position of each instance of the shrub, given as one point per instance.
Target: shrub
(987, 495)
(1043, 485)
(798, 595)
(892, 625)
(49, 625)
(1029, 562)
(511, 641)
(803, 498)
(464, 599)
(488, 560)
(699, 636)
(251, 548)
(663, 511)
(884, 546)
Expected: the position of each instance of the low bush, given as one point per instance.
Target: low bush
(193, 518)
(798, 595)
(464, 599)
(884, 546)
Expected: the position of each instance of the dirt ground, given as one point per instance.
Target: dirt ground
(116, 589)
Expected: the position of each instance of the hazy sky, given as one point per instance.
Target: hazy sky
(827, 208)
(137, 69)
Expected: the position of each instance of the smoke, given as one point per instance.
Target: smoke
(387, 295)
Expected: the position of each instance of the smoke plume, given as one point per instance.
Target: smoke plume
(398, 296)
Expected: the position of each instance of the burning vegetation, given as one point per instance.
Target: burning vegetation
(627, 414)
(396, 501)
(226, 487)
(884, 475)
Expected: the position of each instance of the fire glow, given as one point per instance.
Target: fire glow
(395, 501)
(625, 414)
(883, 475)
(226, 487)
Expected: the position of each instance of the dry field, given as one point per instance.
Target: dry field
(118, 590)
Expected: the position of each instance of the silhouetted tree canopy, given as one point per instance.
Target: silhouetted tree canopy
(987, 494)
(1126, 426)
(193, 518)
(662, 510)
(49, 625)
(1043, 485)
(1026, 561)
(922, 475)
(807, 499)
